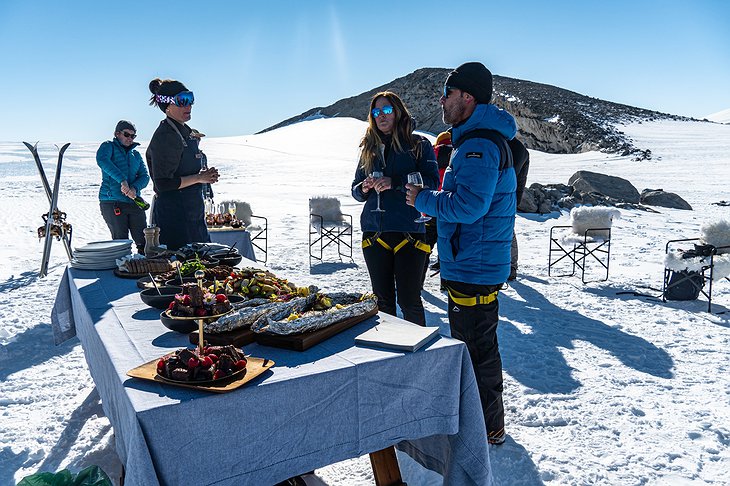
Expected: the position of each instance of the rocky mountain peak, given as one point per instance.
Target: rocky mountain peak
(550, 119)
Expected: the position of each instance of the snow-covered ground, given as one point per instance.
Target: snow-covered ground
(600, 387)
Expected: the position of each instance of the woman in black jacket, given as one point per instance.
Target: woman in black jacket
(178, 168)
(393, 244)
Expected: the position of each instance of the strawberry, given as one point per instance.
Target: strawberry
(206, 362)
(218, 374)
(186, 299)
(172, 304)
(160, 365)
(240, 364)
(200, 312)
(193, 362)
(213, 357)
(220, 298)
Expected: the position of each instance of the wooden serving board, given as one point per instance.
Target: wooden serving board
(254, 367)
(121, 274)
(237, 337)
(304, 341)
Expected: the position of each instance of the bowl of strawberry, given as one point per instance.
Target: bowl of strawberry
(186, 309)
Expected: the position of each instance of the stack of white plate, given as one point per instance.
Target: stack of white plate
(100, 255)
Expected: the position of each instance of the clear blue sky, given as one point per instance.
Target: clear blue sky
(70, 70)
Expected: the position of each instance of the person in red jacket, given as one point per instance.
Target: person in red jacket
(442, 149)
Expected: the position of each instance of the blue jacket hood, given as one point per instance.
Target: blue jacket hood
(487, 116)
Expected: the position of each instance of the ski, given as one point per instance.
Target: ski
(34, 150)
(51, 213)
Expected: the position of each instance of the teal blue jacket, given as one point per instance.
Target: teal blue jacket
(117, 165)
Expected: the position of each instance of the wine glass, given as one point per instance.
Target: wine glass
(414, 178)
(377, 175)
(232, 209)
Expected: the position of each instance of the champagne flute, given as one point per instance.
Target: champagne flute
(232, 209)
(377, 175)
(415, 178)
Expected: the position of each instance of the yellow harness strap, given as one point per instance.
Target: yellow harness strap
(465, 300)
(408, 239)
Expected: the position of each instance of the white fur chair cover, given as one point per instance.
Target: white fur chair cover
(674, 261)
(327, 207)
(716, 234)
(583, 218)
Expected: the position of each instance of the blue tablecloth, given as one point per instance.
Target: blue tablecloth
(333, 402)
(229, 236)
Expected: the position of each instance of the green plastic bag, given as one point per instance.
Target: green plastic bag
(91, 476)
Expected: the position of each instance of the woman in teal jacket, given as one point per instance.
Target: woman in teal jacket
(123, 176)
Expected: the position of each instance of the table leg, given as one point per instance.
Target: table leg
(385, 468)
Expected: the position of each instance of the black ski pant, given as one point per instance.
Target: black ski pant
(397, 275)
(430, 238)
(477, 327)
(514, 256)
(130, 219)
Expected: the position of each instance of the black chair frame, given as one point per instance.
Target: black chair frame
(325, 234)
(597, 248)
(707, 272)
(261, 237)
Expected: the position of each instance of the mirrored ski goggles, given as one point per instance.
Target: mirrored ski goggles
(186, 98)
(386, 110)
(448, 90)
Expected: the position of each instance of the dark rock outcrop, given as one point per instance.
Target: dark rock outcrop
(658, 197)
(587, 182)
(551, 119)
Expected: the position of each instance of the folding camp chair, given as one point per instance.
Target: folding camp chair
(689, 273)
(328, 226)
(586, 241)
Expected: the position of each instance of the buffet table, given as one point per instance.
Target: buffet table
(332, 402)
(230, 236)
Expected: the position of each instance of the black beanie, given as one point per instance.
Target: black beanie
(473, 78)
(124, 124)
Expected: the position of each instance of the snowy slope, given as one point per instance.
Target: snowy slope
(720, 117)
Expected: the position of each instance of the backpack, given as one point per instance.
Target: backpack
(512, 153)
(687, 284)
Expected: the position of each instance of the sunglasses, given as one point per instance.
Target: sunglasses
(186, 98)
(130, 135)
(448, 90)
(386, 110)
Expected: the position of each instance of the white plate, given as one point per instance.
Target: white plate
(108, 245)
(96, 266)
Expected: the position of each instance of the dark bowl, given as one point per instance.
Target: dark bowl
(176, 281)
(184, 325)
(231, 259)
(153, 299)
(235, 299)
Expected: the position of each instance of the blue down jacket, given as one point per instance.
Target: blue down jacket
(398, 216)
(476, 207)
(118, 164)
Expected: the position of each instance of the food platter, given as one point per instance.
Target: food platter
(254, 368)
(304, 341)
(235, 374)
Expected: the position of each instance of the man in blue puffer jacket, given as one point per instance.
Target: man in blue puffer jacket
(123, 176)
(475, 210)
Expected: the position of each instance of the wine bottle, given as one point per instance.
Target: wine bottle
(141, 203)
